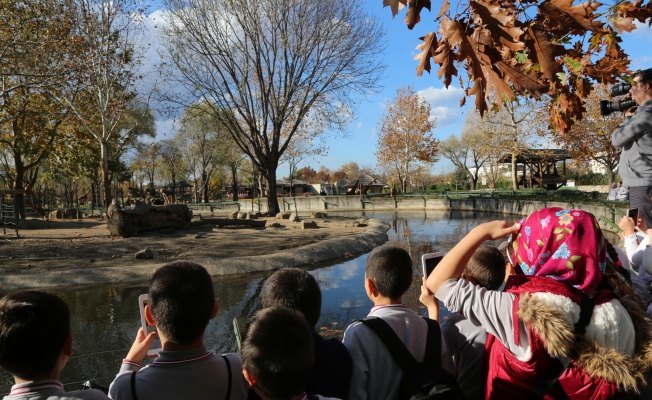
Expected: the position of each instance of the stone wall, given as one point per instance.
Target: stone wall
(504, 206)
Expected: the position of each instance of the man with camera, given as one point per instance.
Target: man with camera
(635, 137)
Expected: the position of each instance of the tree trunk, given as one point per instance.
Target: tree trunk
(514, 176)
(19, 211)
(272, 201)
(106, 179)
(234, 176)
(204, 178)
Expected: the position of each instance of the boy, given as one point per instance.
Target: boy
(297, 289)
(466, 341)
(181, 302)
(277, 355)
(35, 345)
(388, 275)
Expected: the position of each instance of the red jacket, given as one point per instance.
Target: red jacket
(595, 374)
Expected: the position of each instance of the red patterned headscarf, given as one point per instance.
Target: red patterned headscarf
(566, 245)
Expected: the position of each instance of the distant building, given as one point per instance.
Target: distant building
(361, 184)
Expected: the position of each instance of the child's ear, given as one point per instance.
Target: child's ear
(249, 378)
(148, 316)
(67, 345)
(509, 270)
(370, 287)
(215, 309)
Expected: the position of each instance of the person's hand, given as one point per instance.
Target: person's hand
(141, 344)
(498, 229)
(626, 224)
(428, 299)
(630, 111)
(642, 224)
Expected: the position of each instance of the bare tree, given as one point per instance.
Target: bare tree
(109, 32)
(466, 153)
(270, 62)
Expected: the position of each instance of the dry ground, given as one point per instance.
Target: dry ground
(50, 247)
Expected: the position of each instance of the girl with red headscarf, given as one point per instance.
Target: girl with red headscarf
(558, 330)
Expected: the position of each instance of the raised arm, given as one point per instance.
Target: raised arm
(453, 264)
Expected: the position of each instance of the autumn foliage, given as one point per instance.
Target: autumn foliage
(404, 138)
(529, 47)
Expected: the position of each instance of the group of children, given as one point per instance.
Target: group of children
(550, 316)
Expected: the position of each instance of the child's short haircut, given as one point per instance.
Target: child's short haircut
(34, 327)
(296, 289)
(487, 267)
(278, 351)
(181, 298)
(390, 269)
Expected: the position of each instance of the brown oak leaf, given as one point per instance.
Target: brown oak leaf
(428, 49)
(545, 53)
(395, 5)
(499, 22)
(629, 10)
(445, 57)
(576, 18)
(415, 6)
(445, 5)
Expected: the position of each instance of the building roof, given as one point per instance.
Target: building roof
(536, 155)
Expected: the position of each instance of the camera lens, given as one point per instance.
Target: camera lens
(620, 88)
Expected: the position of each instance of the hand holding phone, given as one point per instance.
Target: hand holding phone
(429, 262)
(156, 346)
(633, 214)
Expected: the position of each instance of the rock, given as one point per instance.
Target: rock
(273, 224)
(234, 215)
(318, 214)
(56, 214)
(199, 236)
(242, 215)
(252, 216)
(145, 254)
(294, 218)
(359, 225)
(283, 215)
(308, 225)
(259, 214)
(144, 218)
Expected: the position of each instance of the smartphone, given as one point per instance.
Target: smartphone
(633, 214)
(156, 346)
(429, 262)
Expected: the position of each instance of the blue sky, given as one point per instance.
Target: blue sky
(358, 143)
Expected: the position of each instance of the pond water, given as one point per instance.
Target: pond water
(105, 318)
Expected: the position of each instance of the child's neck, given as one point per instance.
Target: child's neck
(385, 301)
(51, 375)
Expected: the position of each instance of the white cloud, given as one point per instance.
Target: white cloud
(359, 125)
(445, 104)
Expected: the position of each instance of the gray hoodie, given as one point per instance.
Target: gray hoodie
(635, 137)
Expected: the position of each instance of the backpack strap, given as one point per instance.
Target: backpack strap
(552, 375)
(397, 349)
(133, 386)
(228, 369)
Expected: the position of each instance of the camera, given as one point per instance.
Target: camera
(609, 106)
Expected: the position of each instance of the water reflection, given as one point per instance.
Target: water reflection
(105, 319)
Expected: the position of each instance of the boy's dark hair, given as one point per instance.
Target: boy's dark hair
(296, 289)
(277, 350)
(181, 298)
(390, 269)
(34, 327)
(487, 267)
(645, 76)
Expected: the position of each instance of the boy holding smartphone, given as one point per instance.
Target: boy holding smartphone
(388, 275)
(181, 302)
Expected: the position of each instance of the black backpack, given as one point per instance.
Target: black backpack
(425, 380)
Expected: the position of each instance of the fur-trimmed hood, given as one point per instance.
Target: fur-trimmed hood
(615, 347)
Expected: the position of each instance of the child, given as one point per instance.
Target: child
(35, 345)
(277, 355)
(297, 289)
(466, 341)
(181, 302)
(559, 330)
(388, 275)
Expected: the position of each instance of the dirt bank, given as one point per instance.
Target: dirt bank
(66, 253)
